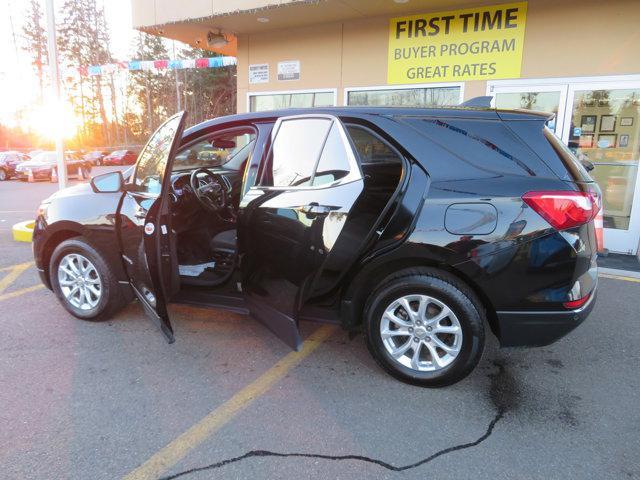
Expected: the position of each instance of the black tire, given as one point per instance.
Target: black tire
(111, 299)
(445, 288)
(3, 175)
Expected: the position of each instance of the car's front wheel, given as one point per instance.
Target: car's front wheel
(84, 282)
(3, 175)
(425, 327)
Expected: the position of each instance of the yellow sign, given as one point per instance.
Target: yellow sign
(472, 44)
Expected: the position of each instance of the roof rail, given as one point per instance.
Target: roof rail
(478, 102)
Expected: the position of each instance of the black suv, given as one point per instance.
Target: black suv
(423, 227)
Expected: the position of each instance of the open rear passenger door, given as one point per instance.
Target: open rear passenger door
(147, 241)
(292, 223)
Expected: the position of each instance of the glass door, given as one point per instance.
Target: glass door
(602, 125)
(544, 98)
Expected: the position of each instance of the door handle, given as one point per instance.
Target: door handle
(315, 209)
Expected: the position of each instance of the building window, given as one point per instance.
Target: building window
(406, 97)
(275, 101)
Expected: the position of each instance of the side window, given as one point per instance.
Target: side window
(333, 164)
(153, 159)
(371, 148)
(295, 151)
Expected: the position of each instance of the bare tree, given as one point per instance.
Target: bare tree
(35, 41)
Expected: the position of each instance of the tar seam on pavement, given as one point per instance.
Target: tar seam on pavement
(503, 393)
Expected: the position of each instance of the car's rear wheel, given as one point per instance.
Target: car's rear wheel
(3, 175)
(425, 327)
(84, 282)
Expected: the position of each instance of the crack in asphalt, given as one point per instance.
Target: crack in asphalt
(381, 463)
(503, 393)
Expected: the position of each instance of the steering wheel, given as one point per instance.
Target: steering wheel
(210, 190)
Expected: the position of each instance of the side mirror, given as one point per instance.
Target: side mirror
(111, 182)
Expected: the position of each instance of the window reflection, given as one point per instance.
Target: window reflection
(296, 150)
(406, 97)
(260, 103)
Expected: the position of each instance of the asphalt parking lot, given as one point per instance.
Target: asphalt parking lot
(228, 400)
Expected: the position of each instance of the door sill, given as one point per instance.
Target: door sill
(232, 302)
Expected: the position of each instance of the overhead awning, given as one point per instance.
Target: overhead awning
(194, 21)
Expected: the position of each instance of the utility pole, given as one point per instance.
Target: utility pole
(175, 73)
(55, 83)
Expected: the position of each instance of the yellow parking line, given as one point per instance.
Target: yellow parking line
(617, 277)
(11, 267)
(22, 291)
(13, 274)
(194, 436)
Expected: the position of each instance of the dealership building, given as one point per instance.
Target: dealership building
(576, 58)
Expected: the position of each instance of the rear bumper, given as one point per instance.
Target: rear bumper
(537, 329)
(37, 174)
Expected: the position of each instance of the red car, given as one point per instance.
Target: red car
(120, 157)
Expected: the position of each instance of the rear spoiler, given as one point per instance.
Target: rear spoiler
(478, 102)
(485, 102)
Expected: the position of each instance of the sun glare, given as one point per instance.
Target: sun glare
(52, 120)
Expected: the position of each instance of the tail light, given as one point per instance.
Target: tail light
(574, 304)
(564, 208)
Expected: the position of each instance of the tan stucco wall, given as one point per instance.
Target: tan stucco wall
(563, 38)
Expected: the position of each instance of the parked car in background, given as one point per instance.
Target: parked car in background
(422, 227)
(96, 157)
(44, 163)
(120, 157)
(33, 153)
(8, 162)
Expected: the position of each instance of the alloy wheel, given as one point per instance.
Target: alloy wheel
(79, 281)
(3, 175)
(421, 333)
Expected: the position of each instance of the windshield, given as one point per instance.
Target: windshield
(216, 152)
(153, 160)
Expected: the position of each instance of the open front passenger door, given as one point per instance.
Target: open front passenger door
(291, 221)
(147, 242)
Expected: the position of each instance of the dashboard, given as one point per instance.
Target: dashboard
(189, 214)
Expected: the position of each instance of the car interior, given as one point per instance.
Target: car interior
(206, 183)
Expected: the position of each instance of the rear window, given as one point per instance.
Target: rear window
(371, 149)
(486, 144)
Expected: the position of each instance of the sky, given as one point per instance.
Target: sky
(18, 82)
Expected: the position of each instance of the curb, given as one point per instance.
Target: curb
(23, 231)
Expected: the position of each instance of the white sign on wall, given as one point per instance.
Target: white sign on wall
(289, 70)
(259, 73)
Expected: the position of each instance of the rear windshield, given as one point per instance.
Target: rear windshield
(573, 165)
(486, 144)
